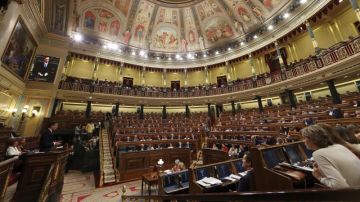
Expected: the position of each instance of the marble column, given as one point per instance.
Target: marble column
(258, 98)
(164, 115)
(88, 110)
(292, 98)
(333, 91)
(233, 110)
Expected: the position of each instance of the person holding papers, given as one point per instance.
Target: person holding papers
(245, 181)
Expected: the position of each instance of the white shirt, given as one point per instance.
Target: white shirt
(12, 151)
(339, 166)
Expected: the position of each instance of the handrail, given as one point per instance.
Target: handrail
(101, 180)
(295, 196)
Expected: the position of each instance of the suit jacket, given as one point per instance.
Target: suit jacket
(46, 140)
(245, 182)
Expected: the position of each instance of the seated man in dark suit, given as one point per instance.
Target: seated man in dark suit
(246, 180)
(47, 138)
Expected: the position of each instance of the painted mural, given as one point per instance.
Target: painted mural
(141, 24)
(191, 35)
(207, 9)
(169, 16)
(102, 21)
(145, 24)
(165, 38)
(217, 29)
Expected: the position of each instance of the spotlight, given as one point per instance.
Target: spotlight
(205, 55)
(229, 49)
(270, 27)
(113, 46)
(142, 53)
(286, 15)
(242, 43)
(133, 53)
(303, 1)
(255, 37)
(78, 37)
(217, 53)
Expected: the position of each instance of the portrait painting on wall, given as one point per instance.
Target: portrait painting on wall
(19, 50)
(44, 69)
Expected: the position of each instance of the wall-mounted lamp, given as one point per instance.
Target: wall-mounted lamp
(160, 163)
(34, 113)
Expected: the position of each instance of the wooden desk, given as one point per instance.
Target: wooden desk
(132, 165)
(266, 161)
(174, 183)
(217, 170)
(149, 179)
(213, 156)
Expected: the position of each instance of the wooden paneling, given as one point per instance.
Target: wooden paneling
(134, 164)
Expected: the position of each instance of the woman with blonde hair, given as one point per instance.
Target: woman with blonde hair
(335, 166)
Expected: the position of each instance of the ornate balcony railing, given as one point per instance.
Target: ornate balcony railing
(329, 56)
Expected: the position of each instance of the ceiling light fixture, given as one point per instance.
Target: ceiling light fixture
(303, 1)
(133, 53)
(78, 37)
(270, 27)
(113, 46)
(217, 52)
(242, 43)
(286, 15)
(142, 53)
(255, 36)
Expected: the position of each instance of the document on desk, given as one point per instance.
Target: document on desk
(242, 174)
(200, 182)
(304, 168)
(208, 182)
(211, 180)
(230, 178)
(236, 177)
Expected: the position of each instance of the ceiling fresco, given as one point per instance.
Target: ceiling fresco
(187, 26)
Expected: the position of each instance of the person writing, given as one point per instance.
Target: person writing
(47, 138)
(334, 164)
(245, 181)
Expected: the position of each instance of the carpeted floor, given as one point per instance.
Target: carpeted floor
(81, 187)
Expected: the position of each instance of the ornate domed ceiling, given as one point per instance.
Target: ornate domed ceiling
(172, 25)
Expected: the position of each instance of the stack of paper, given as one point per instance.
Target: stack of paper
(236, 177)
(229, 178)
(208, 182)
(211, 180)
(242, 174)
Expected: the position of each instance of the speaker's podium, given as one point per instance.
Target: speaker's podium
(42, 176)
